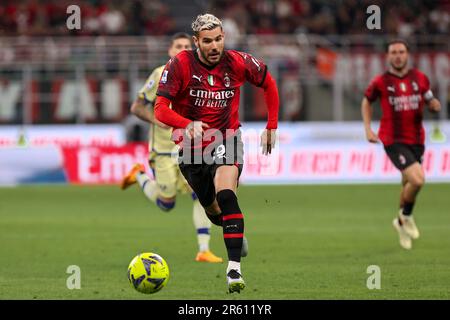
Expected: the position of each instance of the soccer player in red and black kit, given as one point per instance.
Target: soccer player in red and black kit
(203, 86)
(403, 92)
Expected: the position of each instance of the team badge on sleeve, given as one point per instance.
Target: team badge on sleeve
(150, 84)
(428, 95)
(164, 76)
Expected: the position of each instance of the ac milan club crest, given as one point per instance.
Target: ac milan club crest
(226, 80)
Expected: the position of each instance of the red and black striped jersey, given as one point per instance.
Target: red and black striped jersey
(210, 93)
(402, 102)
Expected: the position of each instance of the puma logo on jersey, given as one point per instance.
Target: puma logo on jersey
(199, 78)
(391, 88)
(256, 63)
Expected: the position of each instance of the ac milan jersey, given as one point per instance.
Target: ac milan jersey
(210, 93)
(402, 101)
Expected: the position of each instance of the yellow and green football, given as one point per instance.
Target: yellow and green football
(148, 272)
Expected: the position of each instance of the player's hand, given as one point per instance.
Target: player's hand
(268, 138)
(160, 124)
(372, 136)
(434, 105)
(195, 129)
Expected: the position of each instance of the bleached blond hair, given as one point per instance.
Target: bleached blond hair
(205, 21)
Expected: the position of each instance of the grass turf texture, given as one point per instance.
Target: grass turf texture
(306, 242)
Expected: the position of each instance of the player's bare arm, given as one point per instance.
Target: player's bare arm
(366, 111)
(141, 110)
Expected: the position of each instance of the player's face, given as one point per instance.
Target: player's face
(398, 56)
(179, 45)
(210, 44)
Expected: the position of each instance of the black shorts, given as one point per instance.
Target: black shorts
(403, 155)
(200, 176)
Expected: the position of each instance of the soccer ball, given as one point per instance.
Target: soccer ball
(148, 272)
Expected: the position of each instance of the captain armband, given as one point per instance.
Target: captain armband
(428, 95)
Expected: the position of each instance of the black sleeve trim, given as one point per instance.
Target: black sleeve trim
(264, 77)
(370, 99)
(165, 95)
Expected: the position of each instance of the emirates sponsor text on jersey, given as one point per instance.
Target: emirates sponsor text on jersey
(405, 103)
(212, 99)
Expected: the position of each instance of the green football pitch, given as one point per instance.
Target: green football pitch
(305, 242)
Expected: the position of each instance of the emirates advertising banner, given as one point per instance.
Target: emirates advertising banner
(305, 153)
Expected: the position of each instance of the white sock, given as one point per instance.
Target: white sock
(202, 225)
(203, 244)
(148, 186)
(234, 265)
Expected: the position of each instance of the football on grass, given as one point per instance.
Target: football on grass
(148, 272)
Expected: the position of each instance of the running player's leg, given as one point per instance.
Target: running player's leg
(130, 177)
(202, 184)
(415, 179)
(201, 223)
(200, 179)
(215, 216)
(407, 159)
(163, 189)
(225, 181)
(402, 197)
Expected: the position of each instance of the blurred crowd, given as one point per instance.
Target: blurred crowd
(402, 17)
(98, 17)
(155, 17)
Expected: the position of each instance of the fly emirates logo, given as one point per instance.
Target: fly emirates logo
(211, 99)
(405, 103)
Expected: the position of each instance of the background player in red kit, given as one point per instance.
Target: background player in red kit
(203, 86)
(403, 92)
